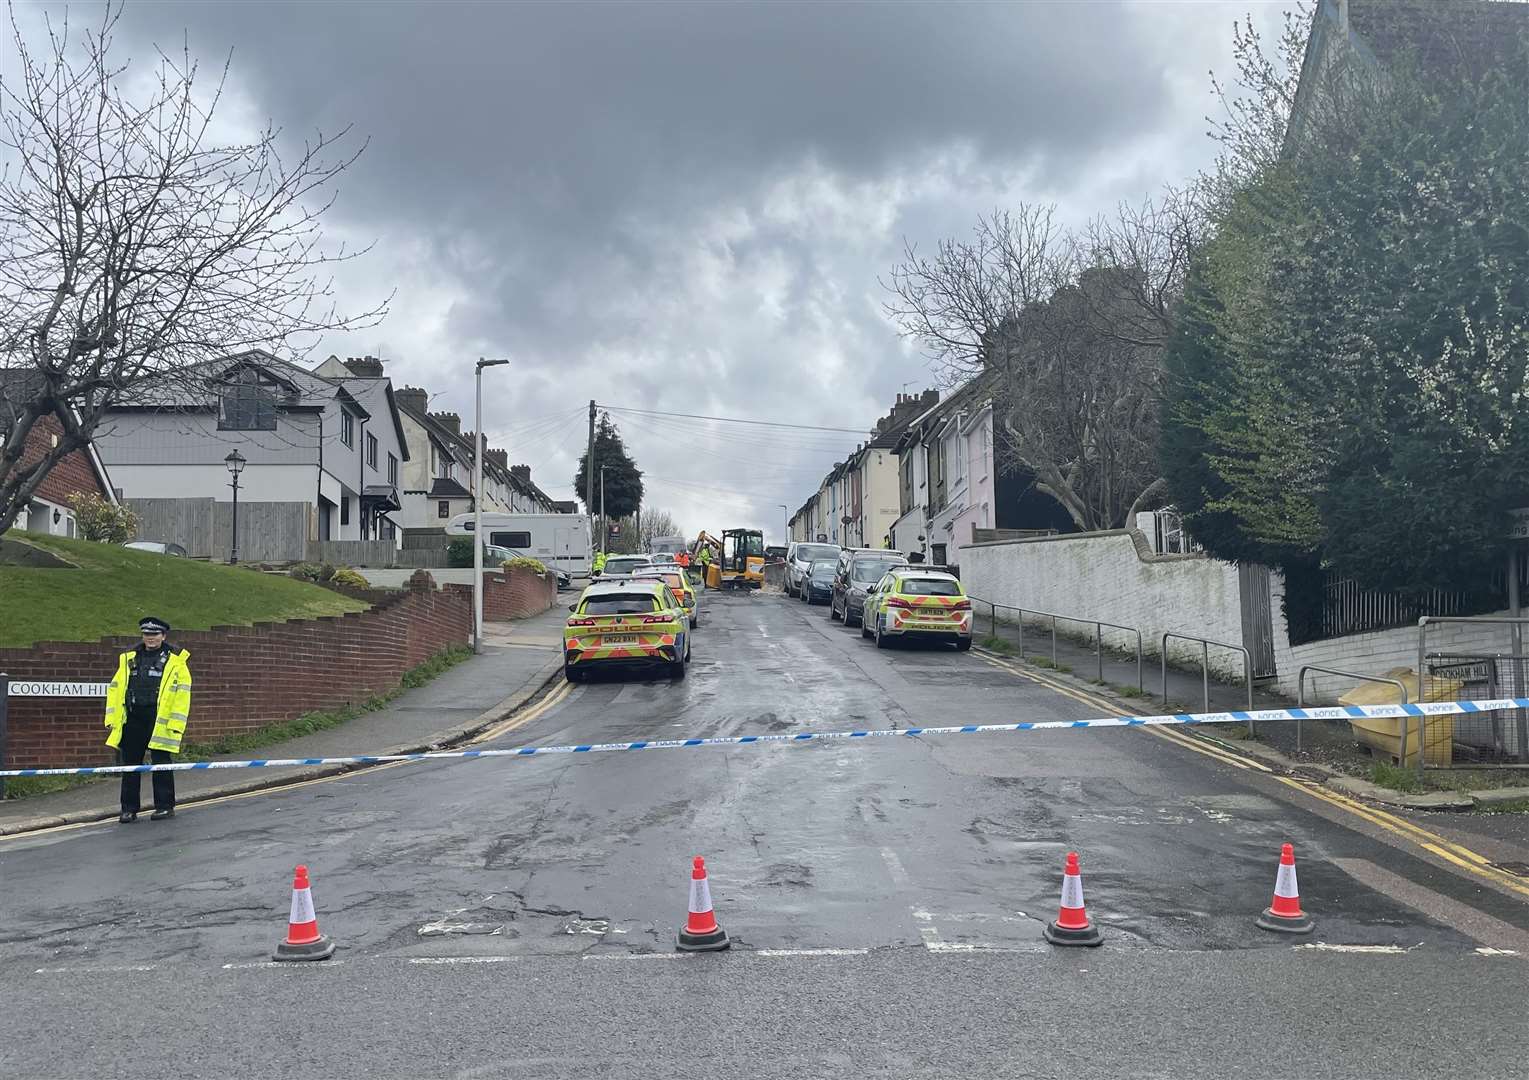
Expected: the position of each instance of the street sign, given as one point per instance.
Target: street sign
(26, 688)
(1519, 530)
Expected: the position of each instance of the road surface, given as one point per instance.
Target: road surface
(517, 917)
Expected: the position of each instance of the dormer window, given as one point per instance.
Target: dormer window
(247, 402)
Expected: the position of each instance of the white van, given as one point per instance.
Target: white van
(559, 540)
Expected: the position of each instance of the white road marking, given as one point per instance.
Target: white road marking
(811, 952)
(894, 866)
(635, 956)
(461, 959)
(93, 970)
(256, 964)
(1487, 950)
(1374, 950)
(762, 631)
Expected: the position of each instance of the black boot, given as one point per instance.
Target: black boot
(125, 817)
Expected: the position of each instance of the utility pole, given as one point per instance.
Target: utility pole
(604, 527)
(589, 465)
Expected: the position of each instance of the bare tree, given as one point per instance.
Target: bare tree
(1069, 329)
(135, 245)
(652, 523)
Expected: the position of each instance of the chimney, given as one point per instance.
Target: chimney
(522, 471)
(448, 420)
(365, 367)
(498, 457)
(412, 398)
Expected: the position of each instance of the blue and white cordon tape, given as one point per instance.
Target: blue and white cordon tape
(1340, 712)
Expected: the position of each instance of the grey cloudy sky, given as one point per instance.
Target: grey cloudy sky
(686, 206)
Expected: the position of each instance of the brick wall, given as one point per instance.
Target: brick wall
(243, 676)
(74, 473)
(1114, 576)
(513, 594)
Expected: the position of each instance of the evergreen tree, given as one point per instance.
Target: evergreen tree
(623, 479)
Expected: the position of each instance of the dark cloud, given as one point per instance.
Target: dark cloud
(686, 206)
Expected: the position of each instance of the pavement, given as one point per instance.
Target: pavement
(516, 916)
(518, 660)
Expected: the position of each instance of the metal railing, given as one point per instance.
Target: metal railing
(1205, 644)
(1300, 696)
(1098, 625)
(1515, 626)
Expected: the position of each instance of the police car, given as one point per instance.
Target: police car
(626, 623)
(917, 602)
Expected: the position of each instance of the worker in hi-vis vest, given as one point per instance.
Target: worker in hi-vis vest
(147, 704)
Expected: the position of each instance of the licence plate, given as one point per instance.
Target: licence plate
(618, 639)
(929, 624)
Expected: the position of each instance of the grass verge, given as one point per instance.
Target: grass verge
(107, 589)
(22, 787)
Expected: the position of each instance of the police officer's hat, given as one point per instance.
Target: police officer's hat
(148, 625)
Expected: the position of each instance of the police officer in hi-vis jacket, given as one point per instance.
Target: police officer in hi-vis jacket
(147, 704)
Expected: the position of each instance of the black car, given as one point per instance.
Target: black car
(854, 575)
(818, 581)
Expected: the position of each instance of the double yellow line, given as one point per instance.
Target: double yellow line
(519, 720)
(1458, 855)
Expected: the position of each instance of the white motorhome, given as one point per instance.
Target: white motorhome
(559, 540)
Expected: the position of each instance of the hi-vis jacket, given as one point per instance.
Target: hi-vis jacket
(174, 702)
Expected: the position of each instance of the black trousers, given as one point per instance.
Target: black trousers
(135, 743)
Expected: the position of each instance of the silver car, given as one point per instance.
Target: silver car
(619, 566)
(799, 560)
(857, 572)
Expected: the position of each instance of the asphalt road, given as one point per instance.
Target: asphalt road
(516, 917)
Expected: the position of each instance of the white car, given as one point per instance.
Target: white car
(622, 565)
(799, 559)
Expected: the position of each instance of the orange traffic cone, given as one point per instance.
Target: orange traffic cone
(1072, 926)
(304, 942)
(701, 933)
(1285, 914)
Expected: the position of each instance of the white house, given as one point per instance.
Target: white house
(305, 438)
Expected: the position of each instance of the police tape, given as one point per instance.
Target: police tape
(1338, 712)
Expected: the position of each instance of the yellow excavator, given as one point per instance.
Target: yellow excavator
(737, 560)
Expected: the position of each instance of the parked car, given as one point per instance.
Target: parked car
(158, 548)
(856, 572)
(617, 566)
(494, 555)
(818, 583)
(799, 557)
(916, 602)
(625, 623)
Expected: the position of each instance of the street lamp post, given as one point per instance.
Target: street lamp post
(478, 444)
(235, 463)
(785, 522)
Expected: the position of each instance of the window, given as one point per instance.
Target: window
(930, 587)
(443, 509)
(344, 510)
(393, 470)
(248, 403)
(348, 429)
(937, 552)
(619, 604)
(371, 450)
(510, 539)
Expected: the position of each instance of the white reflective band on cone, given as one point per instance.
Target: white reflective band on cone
(1072, 891)
(700, 895)
(302, 907)
(1284, 883)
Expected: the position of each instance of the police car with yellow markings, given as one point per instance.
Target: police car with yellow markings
(674, 576)
(626, 623)
(917, 602)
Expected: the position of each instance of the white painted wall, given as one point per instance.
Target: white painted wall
(1107, 576)
(257, 483)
